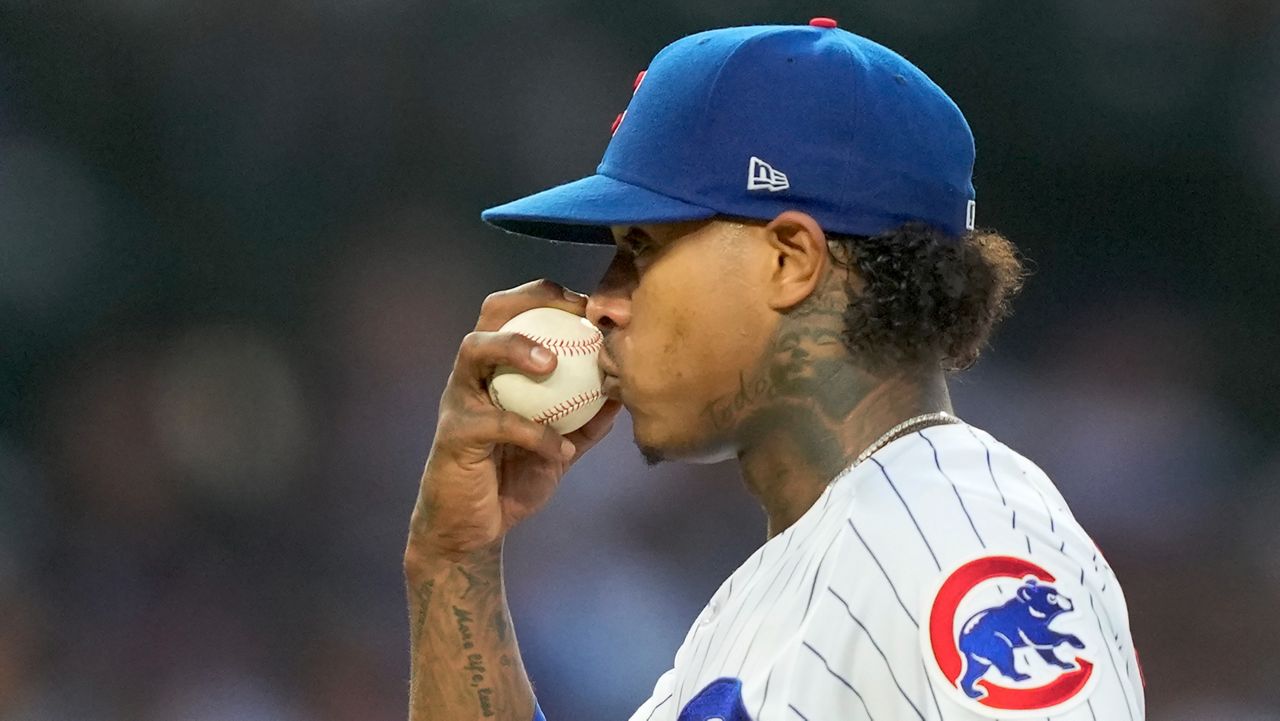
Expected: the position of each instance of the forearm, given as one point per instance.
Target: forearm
(465, 663)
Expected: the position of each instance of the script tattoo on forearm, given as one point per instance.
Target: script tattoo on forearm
(459, 622)
(484, 694)
(464, 629)
(475, 661)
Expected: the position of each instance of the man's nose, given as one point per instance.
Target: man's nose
(608, 310)
(609, 307)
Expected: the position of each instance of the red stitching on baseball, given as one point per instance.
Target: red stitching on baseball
(569, 346)
(565, 407)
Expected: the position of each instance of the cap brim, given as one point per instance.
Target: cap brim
(582, 211)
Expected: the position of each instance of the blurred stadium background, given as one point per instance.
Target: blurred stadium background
(239, 244)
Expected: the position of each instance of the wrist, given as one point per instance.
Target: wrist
(431, 540)
(425, 559)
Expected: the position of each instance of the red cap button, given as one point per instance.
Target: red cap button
(823, 23)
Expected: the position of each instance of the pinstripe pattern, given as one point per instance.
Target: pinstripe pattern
(938, 464)
(897, 596)
(765, 698)
(824, 621)
(841, 679)
(658, 706)
(907, 508)
(872, 639)
(1114, 668)
(932, 694)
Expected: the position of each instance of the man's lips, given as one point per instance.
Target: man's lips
(606, 363)
(611, 386)
(607, 366)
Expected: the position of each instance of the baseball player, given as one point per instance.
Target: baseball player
(796, 270)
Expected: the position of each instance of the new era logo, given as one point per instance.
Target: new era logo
(762, 176)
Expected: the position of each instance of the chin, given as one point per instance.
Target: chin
(652, 456)
(657, 446)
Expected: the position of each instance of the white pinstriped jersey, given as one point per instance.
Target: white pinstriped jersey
(942, 579)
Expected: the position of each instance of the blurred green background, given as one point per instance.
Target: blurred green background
(239, 243)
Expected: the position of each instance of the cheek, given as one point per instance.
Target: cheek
(694, 348)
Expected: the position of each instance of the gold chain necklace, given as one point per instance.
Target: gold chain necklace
(922, 421)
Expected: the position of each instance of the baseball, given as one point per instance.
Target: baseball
(570, 395)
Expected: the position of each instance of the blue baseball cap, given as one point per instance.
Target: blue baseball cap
(748, 122)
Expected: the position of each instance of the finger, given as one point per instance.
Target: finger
(481, 352)
(504, 305)
(595, 429)
(481, 432)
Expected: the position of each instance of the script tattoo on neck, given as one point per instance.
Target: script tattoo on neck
(805, 385)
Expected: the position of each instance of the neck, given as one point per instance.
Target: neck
(815, 408)
(788, 467)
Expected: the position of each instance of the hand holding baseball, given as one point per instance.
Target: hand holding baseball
(490, 468)
(569, 396)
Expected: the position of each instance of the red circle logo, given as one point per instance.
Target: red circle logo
(985, 658)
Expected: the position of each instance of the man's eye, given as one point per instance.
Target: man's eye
(637, 248)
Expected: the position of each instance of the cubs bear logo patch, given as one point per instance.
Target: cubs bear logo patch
(1006, 637)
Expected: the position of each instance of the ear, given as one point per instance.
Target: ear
(798, 252)
(1024, 594)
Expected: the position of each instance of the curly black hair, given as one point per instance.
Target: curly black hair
(926, 296)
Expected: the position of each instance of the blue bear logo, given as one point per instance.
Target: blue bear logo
(988, 639)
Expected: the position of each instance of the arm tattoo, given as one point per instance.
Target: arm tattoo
(472, 579)
(422, 597)
(459, 622)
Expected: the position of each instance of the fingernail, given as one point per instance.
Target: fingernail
(573, 297)
(567, 450)
(540, 355)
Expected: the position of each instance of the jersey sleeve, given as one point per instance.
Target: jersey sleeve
(962, 590)
(862, 654)
(660, 704)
